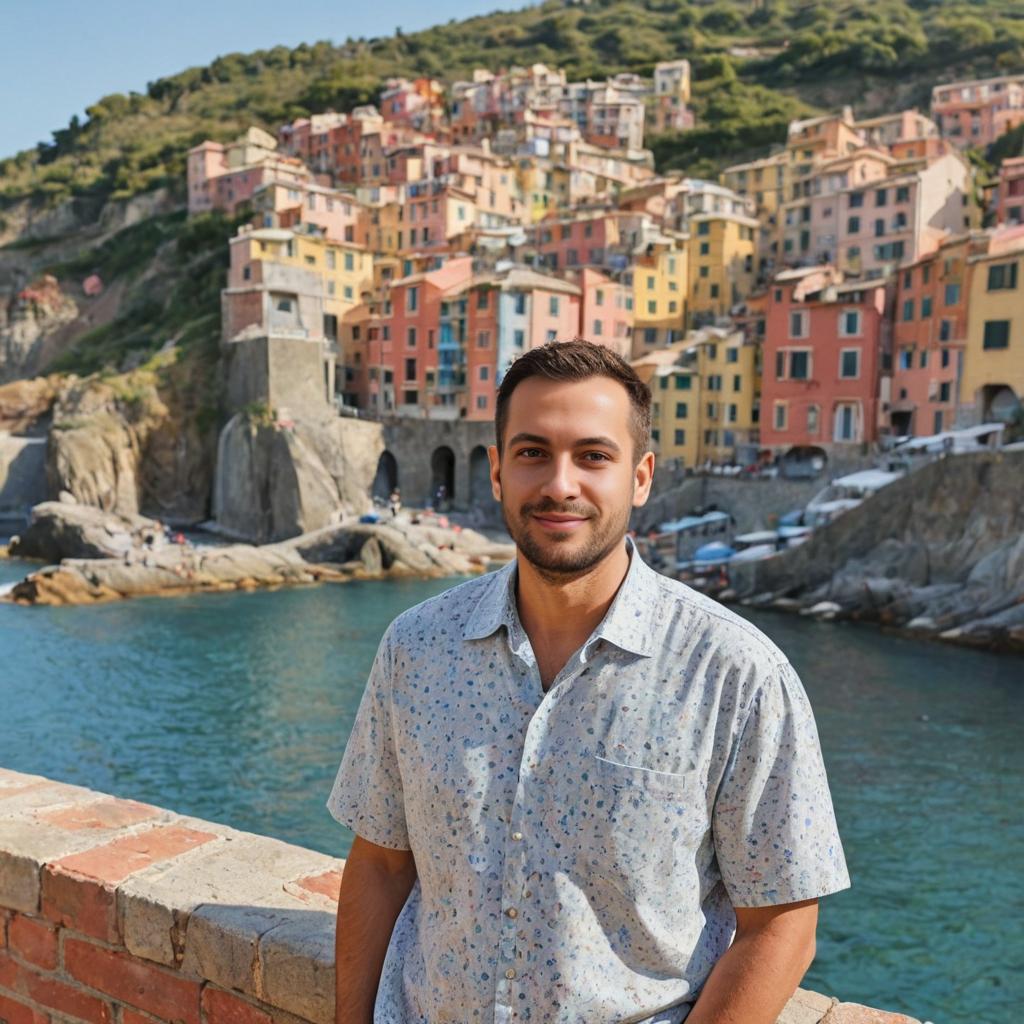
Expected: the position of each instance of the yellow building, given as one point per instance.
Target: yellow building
(730, 392)
(659, 280)
(722, 250)
(992, 386)
(675, 402)
(292, 282)
(763, 180)
(537, 188)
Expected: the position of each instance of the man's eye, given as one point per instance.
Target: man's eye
(530, 452)
(596, 456)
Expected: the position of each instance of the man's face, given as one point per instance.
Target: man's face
(567, 477)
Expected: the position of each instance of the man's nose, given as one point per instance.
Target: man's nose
(562, 483)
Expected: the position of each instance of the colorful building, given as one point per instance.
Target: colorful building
(825, 346)
(659, 276)
(722, 251)
(976, 113)
(992, 387)
(1010, 193)
(606, 311)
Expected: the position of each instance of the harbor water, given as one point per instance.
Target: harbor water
(236, 708)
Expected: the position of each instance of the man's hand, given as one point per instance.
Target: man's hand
(759, 972)
(374, 887)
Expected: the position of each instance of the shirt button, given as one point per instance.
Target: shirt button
(512, 912)
(517, 836)
(510, 973)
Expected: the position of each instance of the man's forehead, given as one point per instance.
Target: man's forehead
(537, 400)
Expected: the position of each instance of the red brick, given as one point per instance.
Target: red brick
(129, 1016)
(109, 813)
(14, 1012)
(118, 859)
(131, 980)
(221, 1007)
(87, 906)
(78, 890)
(327, 884)
(32, 940)
(52, 993)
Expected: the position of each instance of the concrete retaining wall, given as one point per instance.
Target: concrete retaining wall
(117, 912)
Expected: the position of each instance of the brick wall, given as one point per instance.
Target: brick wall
(117, 912)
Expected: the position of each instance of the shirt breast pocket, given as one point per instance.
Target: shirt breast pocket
(646, 827)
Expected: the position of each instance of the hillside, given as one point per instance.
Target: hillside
(756, 63)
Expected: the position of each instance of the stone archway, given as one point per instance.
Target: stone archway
(386, 478)
(999, 403)
(442, 475)
(479, 478)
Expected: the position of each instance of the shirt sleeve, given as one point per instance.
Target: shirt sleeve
(367, 795)
(773, 824)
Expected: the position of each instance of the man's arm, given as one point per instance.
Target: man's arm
(759, 972)
(374, 887)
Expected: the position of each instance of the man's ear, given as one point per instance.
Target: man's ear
(642, 480)
(495, 462)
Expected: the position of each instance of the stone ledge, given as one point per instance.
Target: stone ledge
(114, 910)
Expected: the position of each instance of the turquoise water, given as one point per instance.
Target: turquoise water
(235, 707)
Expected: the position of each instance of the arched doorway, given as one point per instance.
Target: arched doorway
(386, 478)
(479, 478)
(1000, 403)
(442, 478)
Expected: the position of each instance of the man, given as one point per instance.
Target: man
(572, 780)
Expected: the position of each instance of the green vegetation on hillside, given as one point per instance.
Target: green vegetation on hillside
(756, 62)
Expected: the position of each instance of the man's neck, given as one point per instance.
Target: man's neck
(559, 616)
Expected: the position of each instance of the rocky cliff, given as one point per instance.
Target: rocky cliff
(939, 552)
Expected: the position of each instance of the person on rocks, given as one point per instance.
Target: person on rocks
(581, 791)
(395, 503)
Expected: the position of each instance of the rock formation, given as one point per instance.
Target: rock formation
(940, 553)
(117, 562)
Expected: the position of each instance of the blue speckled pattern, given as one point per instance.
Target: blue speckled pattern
(580, 851)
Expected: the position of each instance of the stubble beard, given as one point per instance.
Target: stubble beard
(563, 559)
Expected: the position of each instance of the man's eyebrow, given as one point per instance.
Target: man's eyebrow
(583, 442)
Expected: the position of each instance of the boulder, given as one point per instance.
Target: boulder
(59, 529)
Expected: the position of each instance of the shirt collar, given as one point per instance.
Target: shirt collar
(627, 624)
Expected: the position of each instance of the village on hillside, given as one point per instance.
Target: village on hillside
(838, 291)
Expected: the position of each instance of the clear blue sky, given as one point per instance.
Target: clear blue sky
(59, 56)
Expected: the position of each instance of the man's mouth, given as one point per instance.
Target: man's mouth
(559, 521)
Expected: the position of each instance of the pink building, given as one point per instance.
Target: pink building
(587, 238)
(823, 346)
(340, 216)
(1010, 194)
(418, 104)
(976, 113)
(606, 313)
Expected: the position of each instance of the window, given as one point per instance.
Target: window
(247, 271)
(650, 335)
(845, 423)
(483, 339)
(881, 197)
(704, 228)
(733, 413)
(798, 324)
(714, 291)
(737, 383)
(705, 271)
(481, 401)
(997, 334)
(732, 355)
(332, 259)
(284, 305)
(682, 382)
(349, 261)
(520, 303)
(485, 373)
(923, 362)
(598, 327)
(650, 283)
(944, 388)
(813, 414)
(481, 299)
(849, 363)
(849, 323)
(705, 248)
(410, 369)
(551, 336)
(680, 437)
(778, 294)
(799, 365)
(682, 410)
(856, 199)
(780, 415)
(908, 310)
(926, 273)
(879, 227)
(712, 410)
(853, 225)
(652, 307)
(945, 358)
(902, 193)
(908, 278)
(572, 257)
(410, 337)
(951, 294)
(430, 338)
(906, 361)
(599, 297)
(926, 307)
(853, 253)
(412, 299)
(518, 338)
(1002, 277)
(553, 305)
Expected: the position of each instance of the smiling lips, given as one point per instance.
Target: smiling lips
(559, 523)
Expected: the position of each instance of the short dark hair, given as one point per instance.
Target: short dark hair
(578, 360)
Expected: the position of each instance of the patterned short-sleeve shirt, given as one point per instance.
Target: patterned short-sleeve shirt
(579, 851)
